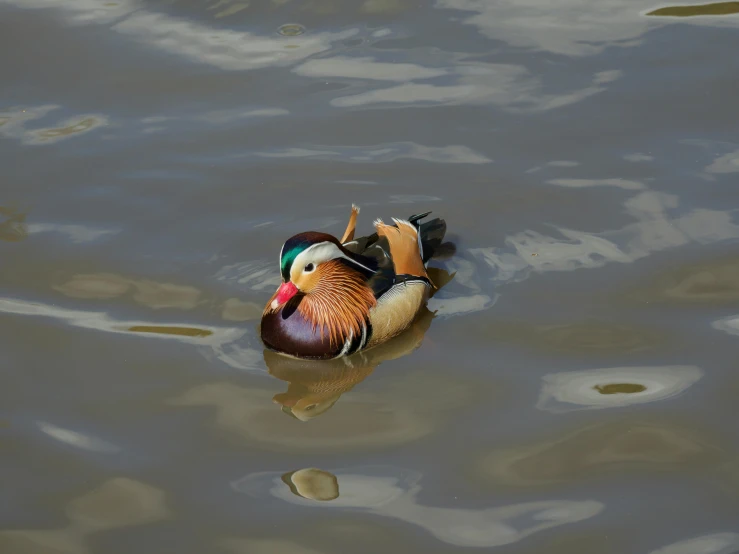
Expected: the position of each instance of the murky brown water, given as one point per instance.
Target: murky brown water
(572, 387)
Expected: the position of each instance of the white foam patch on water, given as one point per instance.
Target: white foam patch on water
(714, 543)
(220, 343)
(381, 33)
(14, 124)
(637, 157)
(240, 357)
(659, 225)
(574, 28)
(727, 324)
(460, 305)
(607, 387)
(392, 492)
(230, 50)
(366, 68)
(512, 87)
(77, 439)
(101, 321)
(728, 163)
(584, 183)
(81, 11)
(226, 116)
(451, 154)
(75, 233)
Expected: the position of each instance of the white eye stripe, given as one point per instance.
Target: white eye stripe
(316, 254)
(319, 253)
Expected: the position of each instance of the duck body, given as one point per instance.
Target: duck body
(342, 296)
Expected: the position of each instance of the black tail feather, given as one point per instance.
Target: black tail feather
(432, 233)
(415, 218)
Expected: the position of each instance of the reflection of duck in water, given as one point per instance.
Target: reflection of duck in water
(315, 385)
(340, 297)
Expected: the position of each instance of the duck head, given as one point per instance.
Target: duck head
(305, 265)
(325, 283)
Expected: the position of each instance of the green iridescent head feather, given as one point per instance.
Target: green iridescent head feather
(294, 246)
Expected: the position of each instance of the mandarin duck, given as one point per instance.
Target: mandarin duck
(338, 297)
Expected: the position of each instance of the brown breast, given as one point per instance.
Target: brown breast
(289, 332)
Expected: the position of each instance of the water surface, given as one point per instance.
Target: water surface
(572, 386)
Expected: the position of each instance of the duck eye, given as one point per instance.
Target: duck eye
(309, 268)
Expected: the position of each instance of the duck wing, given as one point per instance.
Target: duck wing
(376, 250)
